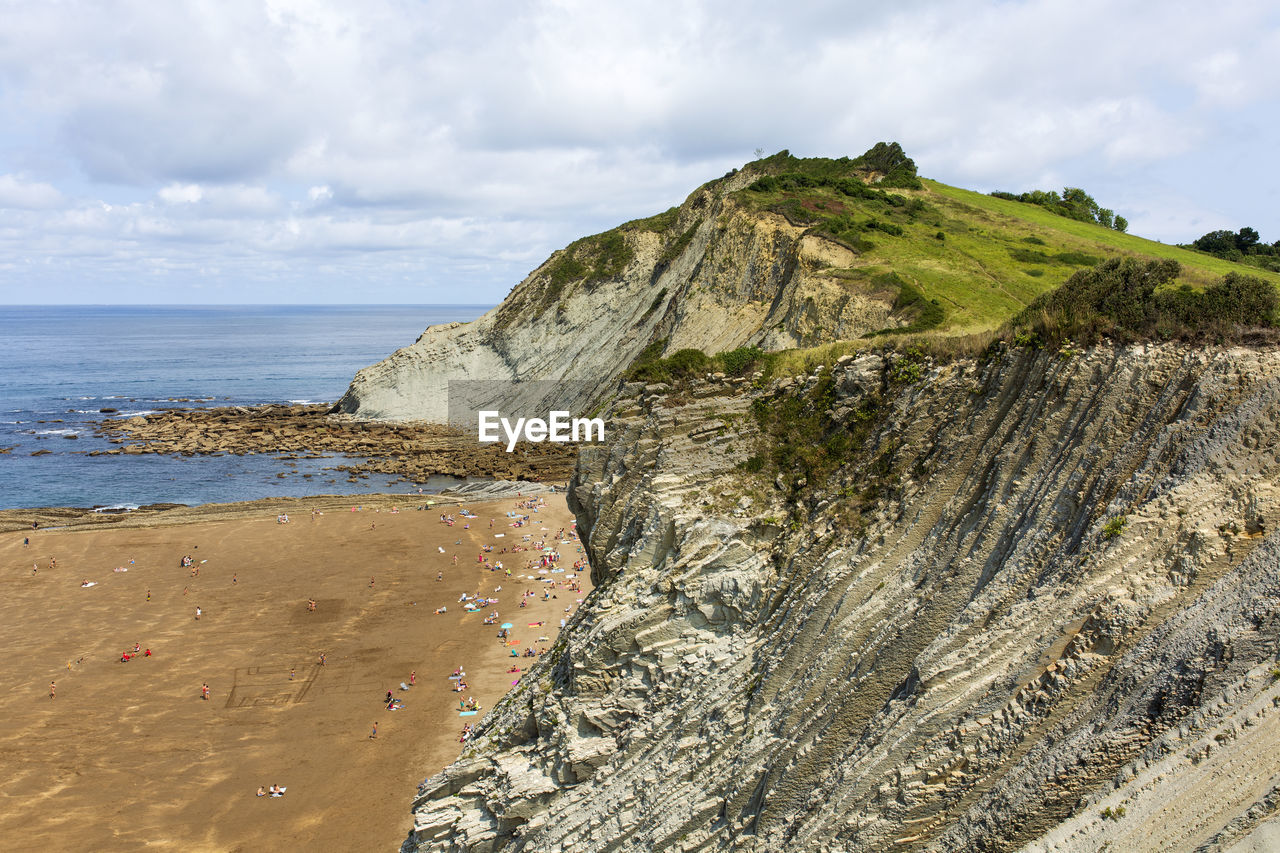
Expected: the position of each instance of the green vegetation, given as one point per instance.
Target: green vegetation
(921, 314)
(593, 258)
(954, 263)
(885, 163)
(1127, 299)
(803, 449)
(659, 224)
(1114, 527)
(676, 247)
(656, 303)
(1244, 247)
(1074, 203)
(687, 364)
(980, 284)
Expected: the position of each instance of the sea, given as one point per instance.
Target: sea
(64, 367)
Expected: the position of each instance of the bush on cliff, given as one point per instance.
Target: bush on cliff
(1127, 299)
(680, 365)
(688, 364)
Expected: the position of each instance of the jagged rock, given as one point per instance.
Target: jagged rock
(973, 660)
(861, 376)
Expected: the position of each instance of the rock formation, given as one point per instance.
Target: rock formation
(1036, 604)
(713, 274)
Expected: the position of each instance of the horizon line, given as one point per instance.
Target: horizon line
(248, 304)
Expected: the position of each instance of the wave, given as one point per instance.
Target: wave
(116, 508)
(57, 432)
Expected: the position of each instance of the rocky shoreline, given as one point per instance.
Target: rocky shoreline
(413, 451)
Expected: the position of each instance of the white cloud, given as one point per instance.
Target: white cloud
(17, 192)
(181, 194)
(473, 140)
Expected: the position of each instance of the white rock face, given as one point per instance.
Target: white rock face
(951, 645)
(718, 277)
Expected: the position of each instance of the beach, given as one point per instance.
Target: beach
(127, 754)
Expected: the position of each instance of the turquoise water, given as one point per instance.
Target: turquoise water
(60, 365)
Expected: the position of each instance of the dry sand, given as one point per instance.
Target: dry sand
(128, 755)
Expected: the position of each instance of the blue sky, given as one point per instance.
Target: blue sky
(419, 152)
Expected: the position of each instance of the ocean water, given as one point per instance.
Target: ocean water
(61, 365)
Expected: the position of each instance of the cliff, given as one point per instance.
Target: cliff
(1025, 600)
(785, 253)
(713, 274)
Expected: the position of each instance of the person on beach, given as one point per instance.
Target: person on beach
(322, 656)
(204, 691)
(413, 678)
(53, 690)
(374, 733)
(198, 612)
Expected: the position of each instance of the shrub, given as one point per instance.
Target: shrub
(739, 361)
(688, 362)
(1128, 299)
(1114, 527)
(682, 364)
(1073, 203)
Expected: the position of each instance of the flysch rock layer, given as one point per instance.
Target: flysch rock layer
(978, 661)
(741, 278)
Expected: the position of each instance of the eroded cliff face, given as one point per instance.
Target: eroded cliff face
(714, 277)
(980, 656)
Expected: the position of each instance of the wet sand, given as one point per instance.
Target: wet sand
(129, 756)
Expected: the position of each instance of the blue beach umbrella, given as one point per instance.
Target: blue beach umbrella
(507, 625)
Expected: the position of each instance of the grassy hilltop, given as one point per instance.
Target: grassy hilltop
(954, 262)
(977, 258)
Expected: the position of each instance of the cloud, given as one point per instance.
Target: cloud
(429, 137)
(17, 192)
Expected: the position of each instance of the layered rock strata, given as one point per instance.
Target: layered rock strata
(717, 276)
(1056, 627)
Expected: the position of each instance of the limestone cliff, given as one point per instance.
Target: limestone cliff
(1037, 604)
(713, 274)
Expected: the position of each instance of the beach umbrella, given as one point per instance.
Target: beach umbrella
(507, 625)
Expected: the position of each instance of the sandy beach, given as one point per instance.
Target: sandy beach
(128, 755)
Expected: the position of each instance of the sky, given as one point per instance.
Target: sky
(419, 152)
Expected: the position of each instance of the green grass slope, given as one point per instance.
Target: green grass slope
(979, 259)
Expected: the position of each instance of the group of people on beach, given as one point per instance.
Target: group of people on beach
(518, 518)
